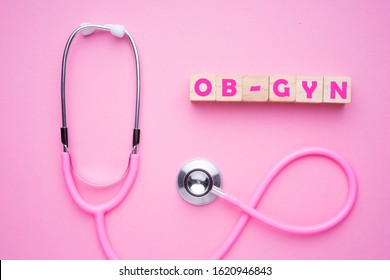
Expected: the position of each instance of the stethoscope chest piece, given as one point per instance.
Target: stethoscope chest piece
(196, 180)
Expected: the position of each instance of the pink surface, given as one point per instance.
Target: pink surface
(39, 220)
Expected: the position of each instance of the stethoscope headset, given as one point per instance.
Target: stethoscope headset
(199, 182)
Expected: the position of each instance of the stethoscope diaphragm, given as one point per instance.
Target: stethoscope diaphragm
(195, 181)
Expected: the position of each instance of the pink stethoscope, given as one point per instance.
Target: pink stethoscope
(199, 181)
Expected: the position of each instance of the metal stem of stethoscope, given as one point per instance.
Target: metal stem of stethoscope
(89, 28)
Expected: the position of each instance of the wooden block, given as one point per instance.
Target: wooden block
(309, 89)
(337, 90)
(255, 88)
(229, 88)
(202, 87)
(282, 88)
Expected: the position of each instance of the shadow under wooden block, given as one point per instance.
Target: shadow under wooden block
(229, 88)
(255, 88)
(282, 88)
(337, 90)
(309, 89)
(202, 87)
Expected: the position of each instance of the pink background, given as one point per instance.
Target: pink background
(38, 219)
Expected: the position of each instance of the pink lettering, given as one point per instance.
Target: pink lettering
(309, 90)
(255, 88)
(229, 87)
(276, 90)
(342, 92)
(198, 85)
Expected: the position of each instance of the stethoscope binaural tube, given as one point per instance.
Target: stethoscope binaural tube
(99, 211)
(118, 31)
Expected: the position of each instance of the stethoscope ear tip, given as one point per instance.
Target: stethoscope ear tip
(87, 30)
(196, 180)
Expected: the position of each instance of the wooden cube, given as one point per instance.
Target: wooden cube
(202, 88)
(282, 88)
(337, 90)
(309, 89)
(229, 88)
(255, 88)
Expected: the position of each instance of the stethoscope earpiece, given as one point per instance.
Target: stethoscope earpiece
(116, 29)
(197, 181)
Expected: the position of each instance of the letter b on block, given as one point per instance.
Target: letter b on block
(202, 88)
(229, 88)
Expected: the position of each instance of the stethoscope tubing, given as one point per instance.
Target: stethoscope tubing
(104, 207)
(249, 209)
(99, 211)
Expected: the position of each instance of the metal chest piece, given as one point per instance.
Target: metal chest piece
(195, 181)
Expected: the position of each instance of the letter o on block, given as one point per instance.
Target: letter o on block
(202, 88)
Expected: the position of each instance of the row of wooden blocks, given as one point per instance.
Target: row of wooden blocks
(270, 88)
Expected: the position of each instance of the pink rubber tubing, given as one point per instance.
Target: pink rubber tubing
(99, 211)
(249, 210)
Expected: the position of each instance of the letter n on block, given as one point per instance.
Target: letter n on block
(337, 90)
(202, 87)
(229, 88)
